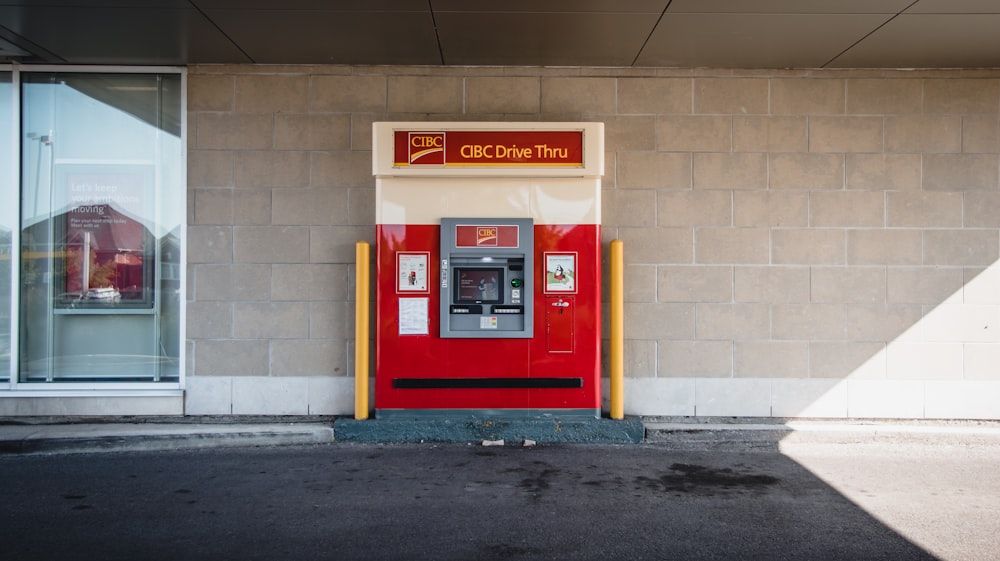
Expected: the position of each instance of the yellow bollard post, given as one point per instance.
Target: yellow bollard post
(617, 333)
(361, 321)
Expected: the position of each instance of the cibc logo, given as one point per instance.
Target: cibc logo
(426, 148)
(486, 235)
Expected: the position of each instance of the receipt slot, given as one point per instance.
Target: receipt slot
(486, 281)
(488, 269)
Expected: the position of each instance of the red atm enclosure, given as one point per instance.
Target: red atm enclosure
(488, 279)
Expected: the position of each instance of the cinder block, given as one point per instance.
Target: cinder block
(759, 209)
(274, 93)
(640, 283)
(257, 244)
(885, 399)
(660, 96)
(798, 322)
(331, 395)
(961, 172)
(848, 284)
(880, 96)
(211, 168)
(209, 320)
(883, 322)
(731, 245)
(272, 169)
(924, 285)
(847, 209)
(361, 208)
(771, 284)
(924, 361)
(673, 322)
(923, 133)
(211, 92)
(308, 358)
(962, 323)
(213, 206)
(309, 282)
(843, 360)
(944, 95)
(270, 396)
(730, 171)
(694, 133)
(733, 398)
(653, 396)
(696, 359)
(341, 169)
(731, 95)
(884, 172)
(808, 96)
(578, 95)
(980, 134)
(653, 170)
(981, 285)
(425, 94)
(730, 322)
(657, 246)
(961, 247)
(980, 361)
(210, 244)
(630, 132)
(208, 395)
(231, 358)
(639, 358)
(235, 131)
(629, 207)
(809, 398)
(924, 210)
(808, 247)
(680, 283)
(336, 244)
(806, 171)
(331, 320)
(359, 94)
(231, 282)
(694, 208)
(845, 134)
(320, 206)
(271, 320)
(884, 247)
(310, 131)
(771, 359)
(502, 95)
(756, 133)
(251, 207)
(963, 400)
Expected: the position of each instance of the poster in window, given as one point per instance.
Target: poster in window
(560, 273)
(107, 242)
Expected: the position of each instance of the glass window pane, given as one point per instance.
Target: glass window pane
(8, 196)
(102, 207)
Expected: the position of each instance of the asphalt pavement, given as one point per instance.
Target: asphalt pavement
(691, 490)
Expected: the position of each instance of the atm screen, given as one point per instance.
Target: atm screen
(478, 285)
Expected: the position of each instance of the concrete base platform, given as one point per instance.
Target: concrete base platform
(512, 431)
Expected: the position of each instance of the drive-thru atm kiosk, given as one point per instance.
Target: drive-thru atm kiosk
(488, 280)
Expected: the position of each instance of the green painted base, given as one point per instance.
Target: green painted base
(512, 431)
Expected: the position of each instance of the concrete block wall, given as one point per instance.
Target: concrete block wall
(797, 243)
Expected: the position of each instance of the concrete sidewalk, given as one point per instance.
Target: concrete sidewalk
(69, 435)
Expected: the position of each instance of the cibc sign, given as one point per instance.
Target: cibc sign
(488, 148)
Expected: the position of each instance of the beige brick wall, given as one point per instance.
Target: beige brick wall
(788, 225)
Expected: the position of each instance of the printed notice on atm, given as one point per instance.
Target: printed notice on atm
(413, 318)
(412, 271)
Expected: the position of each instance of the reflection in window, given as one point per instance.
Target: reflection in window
(8, 218)
(102, 208)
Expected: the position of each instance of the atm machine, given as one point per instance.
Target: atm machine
(488, 261)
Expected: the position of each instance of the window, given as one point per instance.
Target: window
(102, 214)
(8, 218)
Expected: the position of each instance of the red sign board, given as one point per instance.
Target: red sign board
(486, 236)
(487, 148)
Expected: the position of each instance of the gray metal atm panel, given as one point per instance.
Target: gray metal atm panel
(479, 299)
